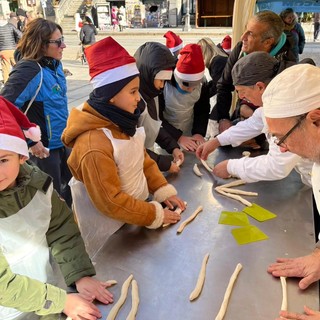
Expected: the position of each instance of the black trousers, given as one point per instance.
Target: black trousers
(56, 166)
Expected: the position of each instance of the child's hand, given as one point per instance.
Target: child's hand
(173, 201)
(78, 307)
(188, 143)
(174, 168)
(170, 216)
(198, 138)
(91, 287)
(178, 155)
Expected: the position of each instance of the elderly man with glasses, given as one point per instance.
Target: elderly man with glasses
(251, 76)
(291, 107)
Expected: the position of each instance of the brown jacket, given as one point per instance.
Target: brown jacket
(92, 162)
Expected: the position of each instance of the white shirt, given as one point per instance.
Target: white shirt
(275, 165)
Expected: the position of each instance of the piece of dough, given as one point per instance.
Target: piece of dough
(232, 184)
(227, 294)
(246, 153)
(202, 275)
(178, 163)
(234, 196)
(284, 305)
(135, 301)
(178, 210)
(206, 165)
(237, 191)
(124, 291)
(185, 222)
(111, 282)
(196, 170)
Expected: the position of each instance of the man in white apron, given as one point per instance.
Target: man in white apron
(291, 106)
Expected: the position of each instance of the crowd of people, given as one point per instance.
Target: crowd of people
(160, 95)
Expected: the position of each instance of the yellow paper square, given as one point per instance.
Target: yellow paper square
(234, 218)
(259, 213)
(248, 234)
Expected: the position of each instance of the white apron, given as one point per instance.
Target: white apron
(95, 227)
(179, 107)
(151, 126)
(315, 180)
(24, 244)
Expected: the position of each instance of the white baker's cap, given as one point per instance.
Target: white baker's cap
(293, 92)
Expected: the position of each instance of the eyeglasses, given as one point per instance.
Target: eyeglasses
(59, 41)
(280, 142)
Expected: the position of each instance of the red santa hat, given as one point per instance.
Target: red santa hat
(190, 66)
(15, 127)
(110, 63)
(173, 41)
(226, 44)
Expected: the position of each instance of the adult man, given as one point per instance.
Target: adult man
(264, 32)
(291, 107)
(251, 75)
(9, 37)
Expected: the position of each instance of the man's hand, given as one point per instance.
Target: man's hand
(206, 148)
(224, 124)
(309, 315)
(307, 268)
(220, 170)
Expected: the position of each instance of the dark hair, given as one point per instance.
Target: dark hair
(274, 23)
(35, 39)
(286, 12)
(87, 19)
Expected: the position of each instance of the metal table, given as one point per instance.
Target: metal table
(166, 265)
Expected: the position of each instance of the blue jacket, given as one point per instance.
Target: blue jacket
(50, 107)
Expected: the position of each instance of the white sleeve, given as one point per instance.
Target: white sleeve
(275, 165)
(243, 130)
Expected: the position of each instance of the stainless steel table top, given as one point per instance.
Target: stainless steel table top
(166, 265)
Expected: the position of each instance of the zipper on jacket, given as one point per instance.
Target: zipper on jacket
(49, 128)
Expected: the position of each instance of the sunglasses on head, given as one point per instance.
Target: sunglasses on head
(59, 41)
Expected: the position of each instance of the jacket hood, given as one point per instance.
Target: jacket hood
(81, 121)
(151, 58)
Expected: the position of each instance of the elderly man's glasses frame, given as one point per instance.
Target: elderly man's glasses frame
(281, 141)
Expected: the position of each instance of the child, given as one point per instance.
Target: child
(186, 105)
(108, 153)
(156, 63)
(33, 219)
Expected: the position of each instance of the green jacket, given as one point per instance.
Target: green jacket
(63, 237)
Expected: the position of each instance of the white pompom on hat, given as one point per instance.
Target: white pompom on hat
(190, 66)
(173, 41)
(293, 92)
(15, 127)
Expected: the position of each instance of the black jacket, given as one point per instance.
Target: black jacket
(151, 58)
(87, 34)
(225, 84)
